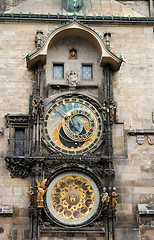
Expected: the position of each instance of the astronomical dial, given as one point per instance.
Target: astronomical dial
(73, 126)
(72, 198)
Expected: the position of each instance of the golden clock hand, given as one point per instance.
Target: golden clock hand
(59, 113)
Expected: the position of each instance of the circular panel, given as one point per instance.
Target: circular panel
(72, 198)
(73, 126)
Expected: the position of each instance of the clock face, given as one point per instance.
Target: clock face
(72, 198)
(73, 126)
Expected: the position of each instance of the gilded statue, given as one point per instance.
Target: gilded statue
(105, 198)
(40, 192)
(114, 196)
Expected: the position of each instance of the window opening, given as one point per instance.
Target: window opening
(19, 141)
(58, 70)
(87, 71)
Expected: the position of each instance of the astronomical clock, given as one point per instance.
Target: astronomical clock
(73, 128)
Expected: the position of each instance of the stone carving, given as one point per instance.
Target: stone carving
(31, 196)
(105, 198)
(114, 196)
(72, 78)
(107, 36)
(40, 192)
(38, 38)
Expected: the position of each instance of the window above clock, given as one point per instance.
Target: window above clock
(87, 71)
(58, 70)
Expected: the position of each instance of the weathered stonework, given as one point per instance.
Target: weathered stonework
(133, 96)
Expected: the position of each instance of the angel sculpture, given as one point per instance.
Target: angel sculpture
(40, 192)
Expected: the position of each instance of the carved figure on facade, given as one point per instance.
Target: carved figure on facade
(41, 109)
(112, 112)
(105, 198)
(72, 78)
(114, 196)
(38, 38)
(31, 196)
(34, 109)
(40, 192)
(105, 111)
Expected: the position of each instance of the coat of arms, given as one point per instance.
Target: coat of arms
(140, 139)
(151, 139)
(72, 78)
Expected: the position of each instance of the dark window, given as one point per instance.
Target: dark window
(58, 70)
(87, 71)
(19, 141)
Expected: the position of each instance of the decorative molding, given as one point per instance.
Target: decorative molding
(34, 166)
(139, 131)
(107, 56)
(17, 119)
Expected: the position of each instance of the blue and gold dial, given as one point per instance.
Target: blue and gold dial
(73, 126)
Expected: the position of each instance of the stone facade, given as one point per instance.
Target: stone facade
(133, 96)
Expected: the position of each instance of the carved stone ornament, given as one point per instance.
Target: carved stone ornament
(140, 139)
(72, 78)
(151, 139)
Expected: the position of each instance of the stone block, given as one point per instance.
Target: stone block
(128, 233)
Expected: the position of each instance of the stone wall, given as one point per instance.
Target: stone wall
(133, 94)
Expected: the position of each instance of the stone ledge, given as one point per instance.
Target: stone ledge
(145, 209)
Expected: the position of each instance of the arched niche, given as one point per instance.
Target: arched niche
(75, 29)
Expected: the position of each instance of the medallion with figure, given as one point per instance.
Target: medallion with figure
(73, 126)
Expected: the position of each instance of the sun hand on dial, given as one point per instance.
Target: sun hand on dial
(78, 125)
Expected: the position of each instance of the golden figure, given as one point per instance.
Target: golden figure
(40, 192)
(31, 196)
(114, 196)
(105, 198)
